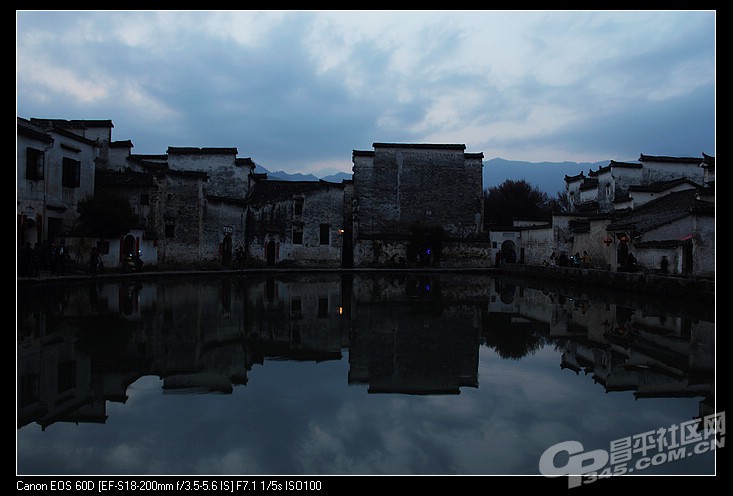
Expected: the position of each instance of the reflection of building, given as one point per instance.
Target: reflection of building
(418, 204)
(421, 341)
(651, 352)
(80, 346)
(298, 318)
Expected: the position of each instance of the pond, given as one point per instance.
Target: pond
(358, 373)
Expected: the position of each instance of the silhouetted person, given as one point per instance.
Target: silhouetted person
(586, 259)
(59, 258)
(95, 261)
(631, 264)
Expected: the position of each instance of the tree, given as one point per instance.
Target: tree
(515, 199)
(105, 216)
(561, 203)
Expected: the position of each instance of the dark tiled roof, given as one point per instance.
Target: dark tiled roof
(247, 161)
(73, 123)
(569, 179)
(362, 153)
(659, 186)
(663, 210)
(146, 164)
(429, 146)
(159, 157)
(121, 144)
(200, 151)
(628, 165)
(268, 191)
(26, 128)
(124, 179)
(675, 160)
(474, 155)
(64, 131)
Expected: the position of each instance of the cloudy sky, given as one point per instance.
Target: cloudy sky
(299, 90)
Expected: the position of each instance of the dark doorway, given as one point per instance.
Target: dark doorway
(226, 250)
(270, 253)
(128, 246)
(55, 228)
(687, 259)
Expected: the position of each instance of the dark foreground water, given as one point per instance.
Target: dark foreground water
(358, 373)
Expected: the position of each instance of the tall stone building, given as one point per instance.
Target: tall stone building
(418, 205)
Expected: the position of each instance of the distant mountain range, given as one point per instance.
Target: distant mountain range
(547, 176)
(284, 176)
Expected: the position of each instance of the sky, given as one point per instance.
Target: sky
(299, 90)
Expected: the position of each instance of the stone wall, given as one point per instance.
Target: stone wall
(178, 218)
(402, 186)
(226, 177)
(276, 222)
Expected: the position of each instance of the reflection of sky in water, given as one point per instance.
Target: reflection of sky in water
(304, 418)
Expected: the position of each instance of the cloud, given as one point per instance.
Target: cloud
(294, 89)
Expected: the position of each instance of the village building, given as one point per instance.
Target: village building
(299, 224)
(408, 205)
(190, 202)
(55, 170)
(673, 234)
(418, 205)
(662, 209)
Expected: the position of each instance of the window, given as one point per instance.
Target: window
(322, 308)
(70, 173)
(295, 308)
(325, 234)
(298, 206)
(297, 236)
(33, 164)
(66, 376)
(144, 199)
(170, 230)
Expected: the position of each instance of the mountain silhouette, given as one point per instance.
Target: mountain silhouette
(546, 176)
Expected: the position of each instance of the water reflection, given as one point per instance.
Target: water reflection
(82, 346)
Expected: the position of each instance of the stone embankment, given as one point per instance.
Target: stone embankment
(691, 290)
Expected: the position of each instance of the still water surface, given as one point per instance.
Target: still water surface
(355, 373)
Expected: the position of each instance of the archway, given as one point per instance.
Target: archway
(128, 246)
(509, 251)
